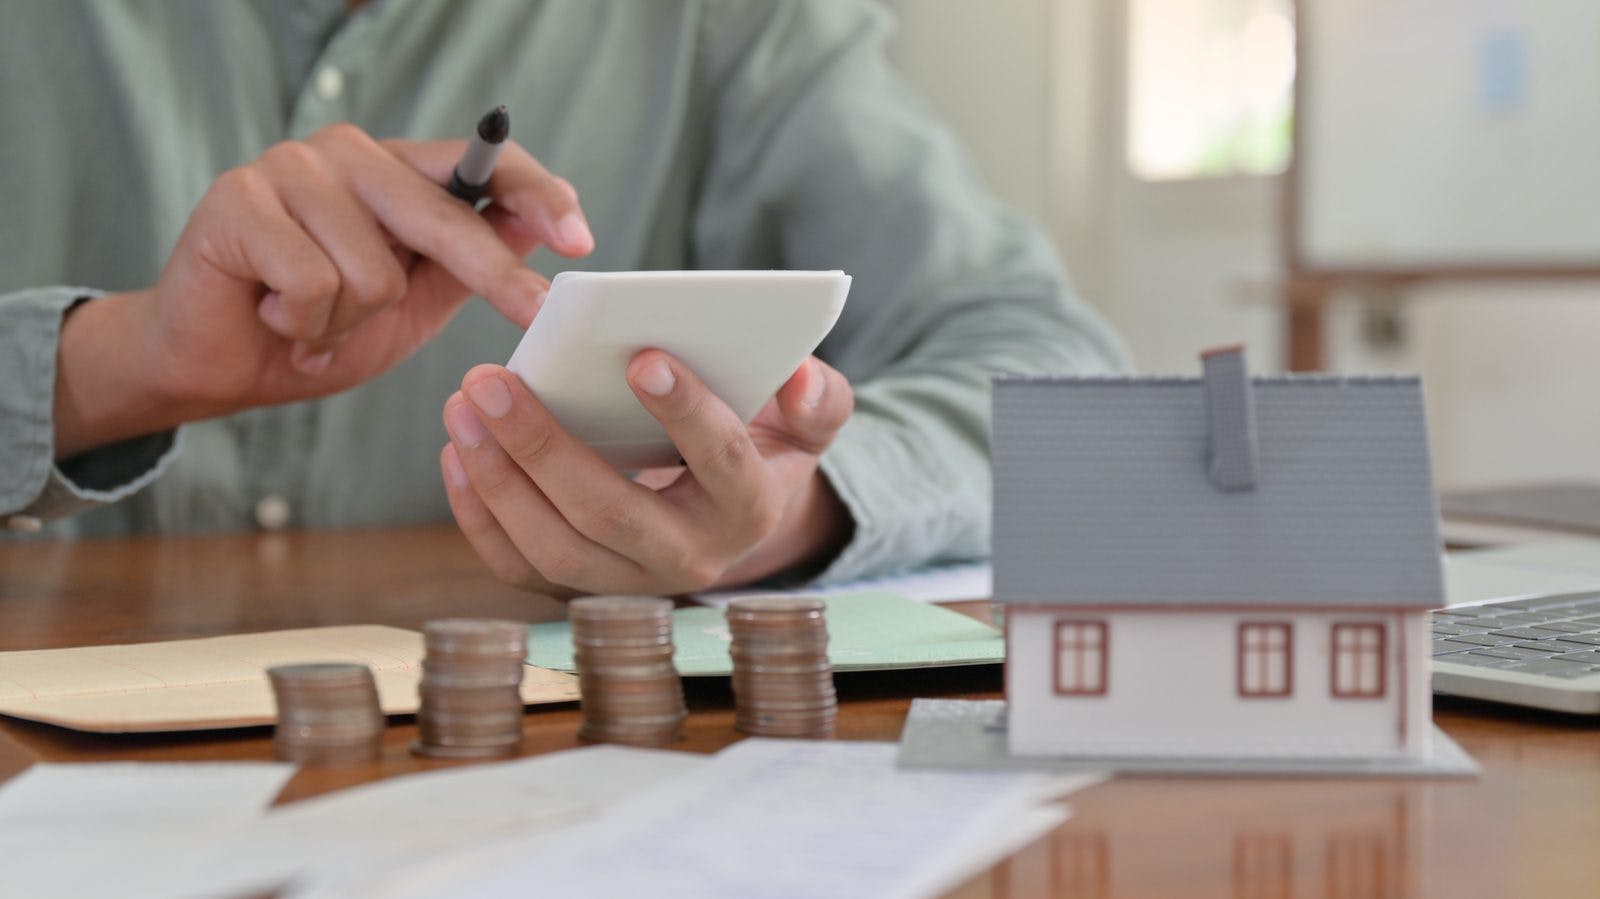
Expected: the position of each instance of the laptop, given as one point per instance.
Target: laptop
(1541, 651)
(1530, 631)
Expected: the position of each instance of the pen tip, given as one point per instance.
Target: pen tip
(495, 125)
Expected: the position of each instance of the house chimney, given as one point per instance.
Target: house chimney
(1232, 462)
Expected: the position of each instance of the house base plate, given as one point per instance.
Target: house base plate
(954, 733)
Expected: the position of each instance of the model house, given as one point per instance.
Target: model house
(1215, 566)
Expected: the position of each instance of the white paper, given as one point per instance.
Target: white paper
(190, 857)
(441, 875)
(99, 794)
(381, 826)
(941, 583)
(124, 829)
(781, 819)
(465, 804)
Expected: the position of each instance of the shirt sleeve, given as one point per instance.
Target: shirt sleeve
(34, 488)
(822, 158)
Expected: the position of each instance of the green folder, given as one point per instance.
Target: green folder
(873, 631)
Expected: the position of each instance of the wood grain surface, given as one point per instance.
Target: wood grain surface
(1530, 826)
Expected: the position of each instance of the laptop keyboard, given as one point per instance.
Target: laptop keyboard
(1556, 636)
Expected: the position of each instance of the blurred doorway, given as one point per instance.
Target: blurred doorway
(1141, 133)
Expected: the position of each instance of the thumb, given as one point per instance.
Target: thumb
(814, 403)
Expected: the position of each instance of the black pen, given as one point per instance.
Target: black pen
(471, 177)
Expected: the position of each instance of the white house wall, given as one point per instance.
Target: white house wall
(1172, 682)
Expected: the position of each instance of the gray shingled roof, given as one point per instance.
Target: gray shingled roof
(1102, 495)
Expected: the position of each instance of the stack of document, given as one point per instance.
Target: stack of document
(202, 830)
(131, 829)
(761, 818)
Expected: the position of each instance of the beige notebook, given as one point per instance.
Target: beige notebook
(215, 682)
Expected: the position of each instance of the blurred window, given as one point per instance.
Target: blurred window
(1266, 658)
(1359, 661)
(1209, 87)
(1080, 658)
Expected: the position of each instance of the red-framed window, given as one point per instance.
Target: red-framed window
(1082, 655)
(1266, 659)
(1360, 661)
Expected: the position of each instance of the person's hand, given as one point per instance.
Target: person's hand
(548, 514)
(314, 268)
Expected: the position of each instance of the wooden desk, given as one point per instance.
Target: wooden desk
(1529, 827)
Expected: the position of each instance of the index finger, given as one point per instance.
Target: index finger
(520, 183)
(433, 223)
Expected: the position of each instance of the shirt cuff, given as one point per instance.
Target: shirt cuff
(873, 469)
(34, 488)
(100, 476)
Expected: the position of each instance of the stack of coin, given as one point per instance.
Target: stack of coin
(782, 679)
(630, 687)
(471, 688)
(328, 714)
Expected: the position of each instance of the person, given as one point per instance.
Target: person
(225, 229)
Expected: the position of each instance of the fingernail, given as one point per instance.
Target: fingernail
(464, 426)
(816, 383)
(272, 312)
(308, 362)
(656, 378)
(453, 469)
(316, 365)
(491, 396)
(574, 232)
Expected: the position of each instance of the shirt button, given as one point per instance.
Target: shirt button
(24, 524)
(272, 512)
(329, 84)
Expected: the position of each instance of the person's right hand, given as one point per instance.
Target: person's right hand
(311, 269)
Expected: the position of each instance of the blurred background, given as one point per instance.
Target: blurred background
(1449, 177)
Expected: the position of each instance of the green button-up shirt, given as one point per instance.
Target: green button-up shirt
(708, 134)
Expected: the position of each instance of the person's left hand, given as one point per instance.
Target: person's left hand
(548, 514)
